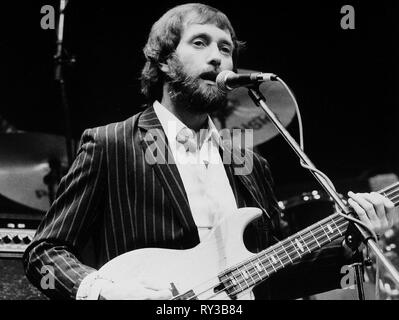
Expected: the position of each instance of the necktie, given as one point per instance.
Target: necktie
(186, 137)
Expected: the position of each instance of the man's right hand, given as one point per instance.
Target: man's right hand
(135, 290)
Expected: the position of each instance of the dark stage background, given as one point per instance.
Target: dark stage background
(345, 80)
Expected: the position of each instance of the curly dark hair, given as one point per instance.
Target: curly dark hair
(165, 36)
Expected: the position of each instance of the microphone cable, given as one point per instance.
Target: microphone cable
(328, 180)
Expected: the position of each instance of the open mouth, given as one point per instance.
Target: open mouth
(209, 77)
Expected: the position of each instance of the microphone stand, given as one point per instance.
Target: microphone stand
(60, 60)
(260, 101)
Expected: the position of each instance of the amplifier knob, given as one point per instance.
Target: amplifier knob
(6, 239)
(26, 239)
(16, 239)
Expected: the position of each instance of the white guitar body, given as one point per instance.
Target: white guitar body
(195, 269)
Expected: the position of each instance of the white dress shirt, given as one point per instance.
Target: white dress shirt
(201, 169)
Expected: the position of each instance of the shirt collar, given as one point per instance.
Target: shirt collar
(172, 125)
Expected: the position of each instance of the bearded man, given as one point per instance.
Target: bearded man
(162, 179)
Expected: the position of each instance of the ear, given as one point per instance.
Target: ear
(164, 67)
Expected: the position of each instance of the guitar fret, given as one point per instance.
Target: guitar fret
(296, 250)
(278, 258)
(337, 227)
(260, 266)
(304, 242)
(272, 262)
(248, 271)
(320, 236)
(315, 238)
(286, 253)
(299, 245)
(256, 270)
(243, 276)
(326, 233)
(267, 262)
(234, 280)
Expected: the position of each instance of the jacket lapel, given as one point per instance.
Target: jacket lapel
(159, 156)
(238, 168)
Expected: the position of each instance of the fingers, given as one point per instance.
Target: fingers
(143, 293)
(375, 210)
(134, 289)
(392, 213)
(156, 289)
(158, 294)
(365, 210)
(155, 284)
(361, 213)
(379, 203)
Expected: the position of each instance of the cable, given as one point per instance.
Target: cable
(314, 169)
(328, 180)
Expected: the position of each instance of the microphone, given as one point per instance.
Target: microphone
(228, 80)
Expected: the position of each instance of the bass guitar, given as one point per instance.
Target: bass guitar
(221, 267)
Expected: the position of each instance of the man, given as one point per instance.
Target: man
(145, 182)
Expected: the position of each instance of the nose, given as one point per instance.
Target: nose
(214, 57)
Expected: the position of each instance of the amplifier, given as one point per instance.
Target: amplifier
(16, 232)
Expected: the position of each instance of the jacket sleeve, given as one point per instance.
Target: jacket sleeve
(52, 260)
(319, 271)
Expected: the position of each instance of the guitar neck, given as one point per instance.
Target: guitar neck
(284, 253)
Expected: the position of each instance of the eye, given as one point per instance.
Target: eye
(199, 43)
(226, 50)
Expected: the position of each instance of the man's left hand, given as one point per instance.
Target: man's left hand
(374, 210)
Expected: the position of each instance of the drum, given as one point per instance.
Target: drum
(302, 211)
(308, 208)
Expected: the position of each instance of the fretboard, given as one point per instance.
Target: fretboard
(284, 253)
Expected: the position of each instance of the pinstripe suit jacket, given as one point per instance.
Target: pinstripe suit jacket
(115, 199)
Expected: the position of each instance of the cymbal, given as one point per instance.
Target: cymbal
(23, 148)
(24, 162)
(242, 113)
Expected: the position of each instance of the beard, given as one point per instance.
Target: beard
(192, 93)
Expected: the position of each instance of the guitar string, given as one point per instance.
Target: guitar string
(232, 268)
(393, 199)
(267, 274)
(387, 192)
(306, 232)
(264, 259)
(243, 289)
(305, 235)
(268, 264)
(242, 284)
(388, 189)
